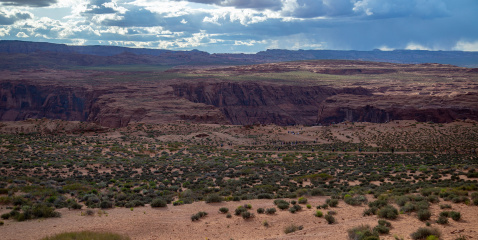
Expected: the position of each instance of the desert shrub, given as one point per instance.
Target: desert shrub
(223, 209)
(442, 220)
(424, 233)
(433, 199)
(260, 210)
(74, 205)
(444, 206)
(295, 208)
(197, 216)
(332, 202)
(5, 216)
(445, 214)
(317, 192)
(318, 213)
(384, 223)
(378, 203)
(239, 210)
(408, 207)
(455, 215)
(309, 206)
(332, 212)
(302, 200)
(228, 215)
(248, 206)
(355, 201)
(424, 215)
(43, 211)
(401, 200)
(271, 211)
(330, 219)
(324, 206)
(361, 233)
(283, 206)
(292, 228)
(1, 223)
(265, 196)
(106, 204)
(388, 212)
(86, 236)
(247, 215)
(158, 202)
(370, 211)
(214, 198)
(134, 203)
(381, 229)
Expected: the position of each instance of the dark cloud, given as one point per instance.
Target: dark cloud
(11, 19)
(29, 3)
(136, 18)
(253, 4)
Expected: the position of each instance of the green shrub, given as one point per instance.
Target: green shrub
(223, 209)
(388, 212)
(443, 206)
(309, 206)
(331, 202)
(5, 216)
(381, 229)
(361, 233)
(239, 210)
(330, 219)
(283, 206)
(214, 198)
(86, 236)
(442, 220)
(424, 233)
(424, 215)
(260, 210)
(247, 215)
(292, 228)
(270, 211)
(370, 211)
(445, 214)
(455, 215)
(319, 213)
(302, 200)
(158, 202)
(384, 223)
(106, 204)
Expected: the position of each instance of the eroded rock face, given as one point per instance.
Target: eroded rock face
(251, 103)
(19, 101)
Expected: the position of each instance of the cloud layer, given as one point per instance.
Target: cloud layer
(246, 25)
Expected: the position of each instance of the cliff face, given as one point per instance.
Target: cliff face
(223, 102)
(19, 101)
(250, 103)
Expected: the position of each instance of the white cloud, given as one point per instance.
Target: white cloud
(22, 35)
(416, 46)
(466, 46)
(4, 31)
(385, 48)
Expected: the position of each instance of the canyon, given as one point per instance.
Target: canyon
(288, 93)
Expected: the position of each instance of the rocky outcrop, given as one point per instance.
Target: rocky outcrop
(19, 101)
(250, 103)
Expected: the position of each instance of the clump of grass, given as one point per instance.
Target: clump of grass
(319, 213)
(86, 235)
(292, 228)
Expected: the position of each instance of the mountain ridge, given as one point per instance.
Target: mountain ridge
(157, 56)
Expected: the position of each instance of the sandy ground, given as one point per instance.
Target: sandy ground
(173, 222)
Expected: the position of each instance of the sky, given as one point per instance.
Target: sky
(248, 26)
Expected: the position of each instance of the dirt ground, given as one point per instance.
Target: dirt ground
(173, 222)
